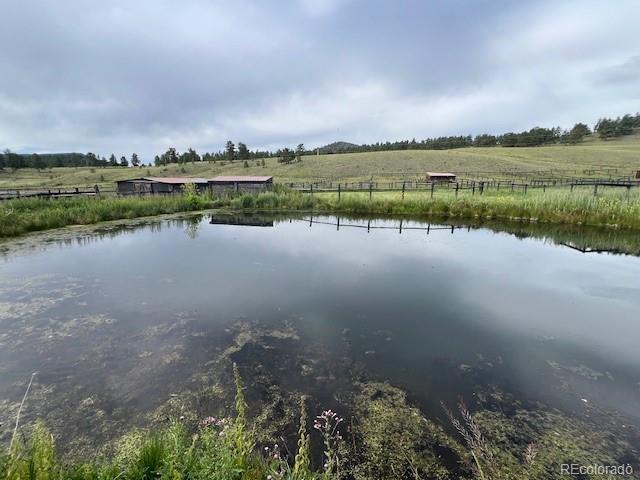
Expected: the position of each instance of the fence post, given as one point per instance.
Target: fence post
(571, 186)
(481, 188)
(595, 189)
(457, 187)
(525, 188)
(97, 190)
(370, 189)
(473, 188)
(339, 192)
(311, 184)
(433, 186)
(403, 190)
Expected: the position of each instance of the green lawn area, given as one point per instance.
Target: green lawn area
(571, 160)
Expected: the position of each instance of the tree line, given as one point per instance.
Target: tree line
(605, 128)
(9, 159)
(231, 153)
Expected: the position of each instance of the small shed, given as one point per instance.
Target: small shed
(440, 177)
(149, 185)
(240, 183)
(638, 174)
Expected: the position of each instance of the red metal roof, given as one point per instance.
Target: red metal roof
(176, 180)
(241, 178)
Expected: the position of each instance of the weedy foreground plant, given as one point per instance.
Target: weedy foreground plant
(221, 448)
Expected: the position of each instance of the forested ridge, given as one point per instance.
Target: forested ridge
(605, 128)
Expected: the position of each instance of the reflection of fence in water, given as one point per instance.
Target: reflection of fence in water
(402, 226)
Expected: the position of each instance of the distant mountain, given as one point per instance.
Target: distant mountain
(339, 147)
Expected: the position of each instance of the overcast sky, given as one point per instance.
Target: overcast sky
(122, 76)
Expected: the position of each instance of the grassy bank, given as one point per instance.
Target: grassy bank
(611, 208)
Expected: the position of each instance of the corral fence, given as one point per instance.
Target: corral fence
(471, 186)
(57, 192)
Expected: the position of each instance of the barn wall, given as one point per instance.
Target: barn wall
(242, 187)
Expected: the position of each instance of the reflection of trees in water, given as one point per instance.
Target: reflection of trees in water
(192, 225)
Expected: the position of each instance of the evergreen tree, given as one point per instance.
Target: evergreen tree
(243, 151)
(123, 161)
(230, 151)
(135, 161)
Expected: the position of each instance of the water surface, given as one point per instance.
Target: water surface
(118, 321)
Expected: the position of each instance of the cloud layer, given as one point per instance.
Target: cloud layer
(83, 75)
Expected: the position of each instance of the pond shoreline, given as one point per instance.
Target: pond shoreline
(19, 217)
(582, 238)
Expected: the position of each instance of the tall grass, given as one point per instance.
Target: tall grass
(28, 215)
(217, 449)
(611, 208)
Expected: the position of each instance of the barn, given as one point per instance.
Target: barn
(242, 184)
(150, 185)
(440, 177)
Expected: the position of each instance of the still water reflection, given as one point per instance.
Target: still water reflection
(119, 319)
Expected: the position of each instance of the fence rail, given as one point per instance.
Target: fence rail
(62, 192)
(474, 186)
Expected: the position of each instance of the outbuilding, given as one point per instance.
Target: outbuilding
(240, 183)
(150, 185)
(440, 177)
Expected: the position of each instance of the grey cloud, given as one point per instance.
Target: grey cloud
(122, 76)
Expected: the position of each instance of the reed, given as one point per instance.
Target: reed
(613, 208)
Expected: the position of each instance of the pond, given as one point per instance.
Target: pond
(124, 322)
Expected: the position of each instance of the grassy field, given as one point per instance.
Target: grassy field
(622, 154)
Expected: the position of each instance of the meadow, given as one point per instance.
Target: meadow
(619, 156)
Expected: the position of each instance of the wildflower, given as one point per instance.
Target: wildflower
(207, 422)
(327, 424)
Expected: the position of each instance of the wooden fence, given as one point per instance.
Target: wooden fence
(472, 186)
(62, 192)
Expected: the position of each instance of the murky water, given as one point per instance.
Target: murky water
(119, 321)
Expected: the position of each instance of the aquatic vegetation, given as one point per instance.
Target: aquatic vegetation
(392, 439)
(215, 448)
